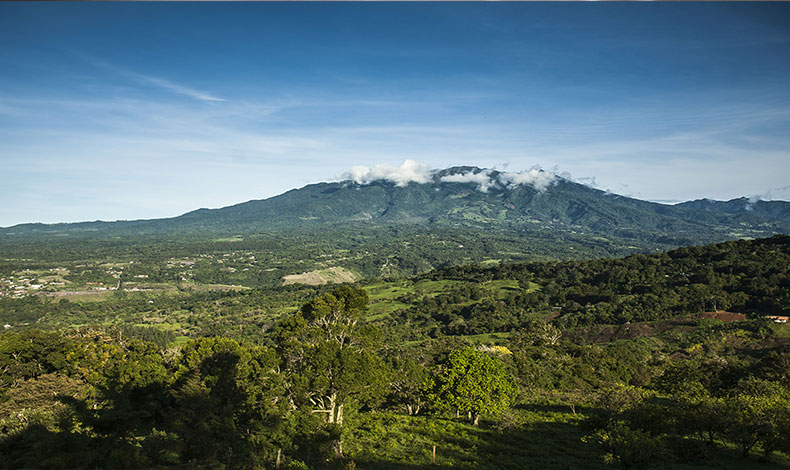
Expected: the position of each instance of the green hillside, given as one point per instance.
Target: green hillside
(606, 363)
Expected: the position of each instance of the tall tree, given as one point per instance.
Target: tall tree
(331, 358)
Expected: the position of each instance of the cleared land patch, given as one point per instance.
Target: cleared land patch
(335, 275)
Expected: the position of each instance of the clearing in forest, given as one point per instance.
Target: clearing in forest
(319, 277)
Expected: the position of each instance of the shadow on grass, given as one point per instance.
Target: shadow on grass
(545, 437)
(556, 408)
(407, 443)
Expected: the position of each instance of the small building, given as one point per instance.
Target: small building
(777, 318)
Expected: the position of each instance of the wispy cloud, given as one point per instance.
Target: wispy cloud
(175, 87)
(146, 79)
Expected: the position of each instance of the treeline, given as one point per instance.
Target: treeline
(744, 276)
(748, 276)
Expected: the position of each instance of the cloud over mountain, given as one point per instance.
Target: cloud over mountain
(536, 177)
(482, 179)
(411, 171)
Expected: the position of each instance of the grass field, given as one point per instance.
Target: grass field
(782, 330)
(383, 297)
(529, 436)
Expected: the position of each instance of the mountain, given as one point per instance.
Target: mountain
(460, 215)
(562, 205)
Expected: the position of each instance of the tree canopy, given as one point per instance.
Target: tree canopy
(473, 382)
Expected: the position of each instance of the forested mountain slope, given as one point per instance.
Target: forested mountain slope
(769, 210)
(442, 202)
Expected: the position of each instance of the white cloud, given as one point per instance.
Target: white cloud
(535, 177)
(409, 171)
(482, 179)
(412, 171)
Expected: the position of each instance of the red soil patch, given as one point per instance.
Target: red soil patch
(725, 316)
(606, 333)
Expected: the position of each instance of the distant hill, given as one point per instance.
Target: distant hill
(768, 210)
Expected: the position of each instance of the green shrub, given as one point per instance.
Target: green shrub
(630, 448)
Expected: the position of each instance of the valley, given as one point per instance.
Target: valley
(574, 335)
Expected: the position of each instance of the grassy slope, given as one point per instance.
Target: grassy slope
(538, 437)
(532, 436)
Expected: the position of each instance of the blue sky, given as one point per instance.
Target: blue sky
(141, 110)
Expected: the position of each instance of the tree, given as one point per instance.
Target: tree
(627, 446)
(226, 395)
(28, 354)
(408, 378)
(330, 358)
(757, 414)
(473, 382)
(536, 332)
(37, 400)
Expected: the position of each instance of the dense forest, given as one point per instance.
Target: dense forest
(749, 277)
(591, 364)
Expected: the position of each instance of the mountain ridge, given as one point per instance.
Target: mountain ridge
(460, 196)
